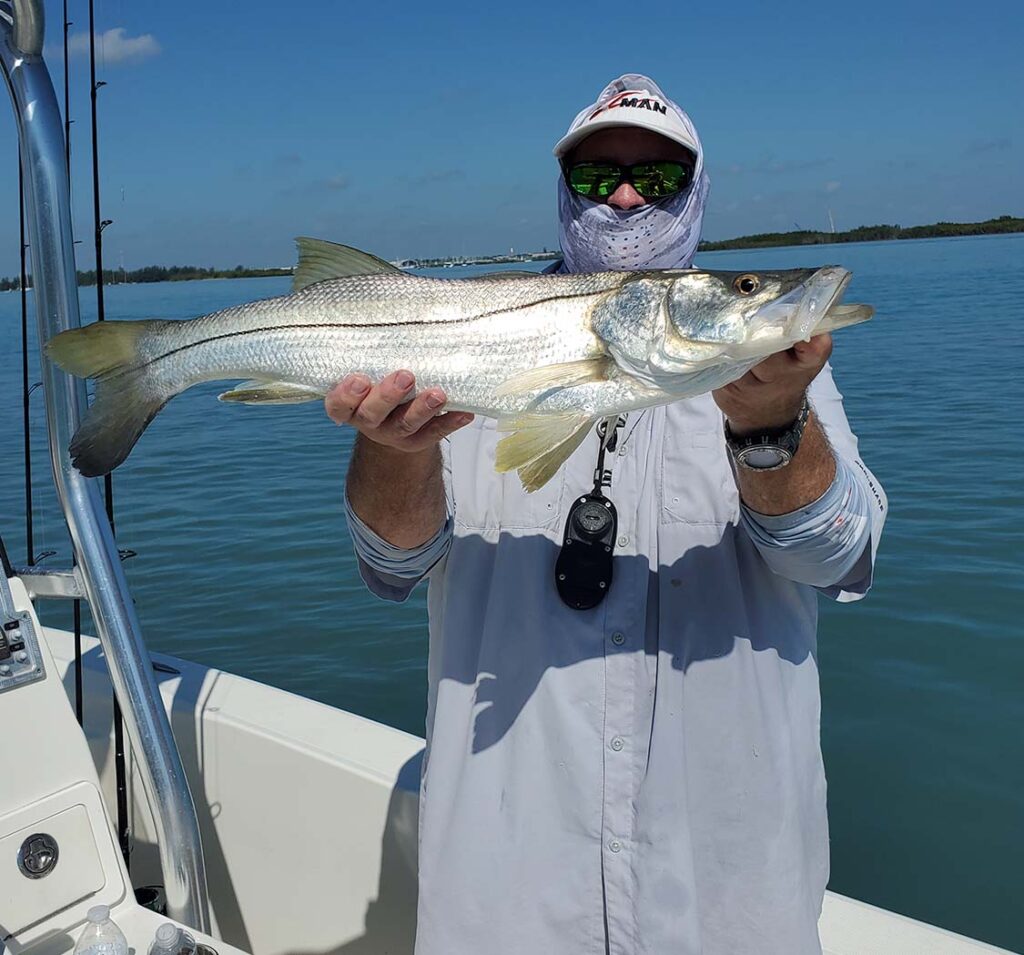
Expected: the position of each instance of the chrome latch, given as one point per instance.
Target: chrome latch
(38, 855)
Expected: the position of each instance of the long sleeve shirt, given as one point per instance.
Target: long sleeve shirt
(645, 776)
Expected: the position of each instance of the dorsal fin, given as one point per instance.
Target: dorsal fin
(320, 260)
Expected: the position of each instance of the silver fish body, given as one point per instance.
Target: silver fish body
(546, 355)
(466, 336)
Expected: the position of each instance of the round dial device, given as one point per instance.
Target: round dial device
(592, 519)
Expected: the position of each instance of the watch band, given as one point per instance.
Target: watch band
(771, 449)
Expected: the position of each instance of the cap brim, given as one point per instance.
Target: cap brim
(610, 120)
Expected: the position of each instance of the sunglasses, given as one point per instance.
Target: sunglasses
(653, 180)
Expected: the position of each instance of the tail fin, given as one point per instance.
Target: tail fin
(839, 316)
(127, 398)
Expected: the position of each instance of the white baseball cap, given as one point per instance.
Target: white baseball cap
(632, 100)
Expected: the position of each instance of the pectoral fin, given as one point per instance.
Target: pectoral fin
(539, 445)
(258, 392)
(563, 375)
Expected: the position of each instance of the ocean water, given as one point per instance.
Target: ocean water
(244, 563)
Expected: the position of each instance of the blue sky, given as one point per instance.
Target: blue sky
(426, 129)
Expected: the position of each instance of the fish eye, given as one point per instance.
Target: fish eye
(746, 284)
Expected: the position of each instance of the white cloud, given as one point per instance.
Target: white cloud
(115, 46)
(832, 185)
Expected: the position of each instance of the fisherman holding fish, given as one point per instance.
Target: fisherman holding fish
(623, 706)
(637, 772)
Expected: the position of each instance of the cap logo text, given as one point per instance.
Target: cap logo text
(630, 98)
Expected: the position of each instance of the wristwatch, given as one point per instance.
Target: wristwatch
(768, 450)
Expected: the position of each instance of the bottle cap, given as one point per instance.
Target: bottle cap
(98, 913)
(167, 934)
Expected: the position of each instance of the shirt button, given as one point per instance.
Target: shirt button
(615, 845)
(618, 638)
(623, 540)
(617, 743)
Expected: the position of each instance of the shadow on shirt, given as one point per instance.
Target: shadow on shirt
(505, 628)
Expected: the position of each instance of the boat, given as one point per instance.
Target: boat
(261, 821)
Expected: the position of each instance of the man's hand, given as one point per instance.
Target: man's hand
(389, 415)
(770, 394)
(394, 481)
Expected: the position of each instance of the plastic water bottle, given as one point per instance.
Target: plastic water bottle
(101, 935)
(172, 940)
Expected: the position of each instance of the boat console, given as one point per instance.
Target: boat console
(58, 852)
(21, 662)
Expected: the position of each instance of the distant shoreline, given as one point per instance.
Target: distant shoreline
(869, 233)
(1003, 225)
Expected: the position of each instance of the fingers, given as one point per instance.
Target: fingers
(769, 395)
(433, 431)
(343, 399)
(444, 425)
(383, 398)
(409, 418)
(804, 358)
(391, 413)
(771, 368)
(814, 354)
(355, 400)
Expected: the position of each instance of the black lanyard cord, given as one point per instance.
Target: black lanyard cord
(603, 476)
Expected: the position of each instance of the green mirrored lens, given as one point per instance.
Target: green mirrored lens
(595, 180)
(657, 179)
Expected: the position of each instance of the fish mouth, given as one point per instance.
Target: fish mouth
(825, 289)
(804, 307)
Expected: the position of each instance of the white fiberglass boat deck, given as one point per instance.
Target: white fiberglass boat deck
(308, 817)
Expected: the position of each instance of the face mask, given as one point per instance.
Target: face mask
(596, 237)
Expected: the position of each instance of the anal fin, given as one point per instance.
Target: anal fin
(539, 445)
(258, 392)
(537, 473)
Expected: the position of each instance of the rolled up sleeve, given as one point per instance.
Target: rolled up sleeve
(831, 543)
(820, 544)
(391, 572)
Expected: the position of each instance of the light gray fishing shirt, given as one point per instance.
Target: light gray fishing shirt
(646, 776)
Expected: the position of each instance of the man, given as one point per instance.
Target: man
(644, 776)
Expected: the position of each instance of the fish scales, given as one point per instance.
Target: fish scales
(318, 338)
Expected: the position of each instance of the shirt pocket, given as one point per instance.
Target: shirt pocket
(482, 499)
(697, 483)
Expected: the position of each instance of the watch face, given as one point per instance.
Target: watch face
(763, 458)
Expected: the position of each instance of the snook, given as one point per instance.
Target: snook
(546, 355)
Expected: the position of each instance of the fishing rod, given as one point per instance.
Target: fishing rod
(100, 224)
(76, 606)
(25, 389)
(67, 109)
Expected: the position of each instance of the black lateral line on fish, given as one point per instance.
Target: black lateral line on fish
(279, 328)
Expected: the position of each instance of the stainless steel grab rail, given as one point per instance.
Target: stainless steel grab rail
(56, 296)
